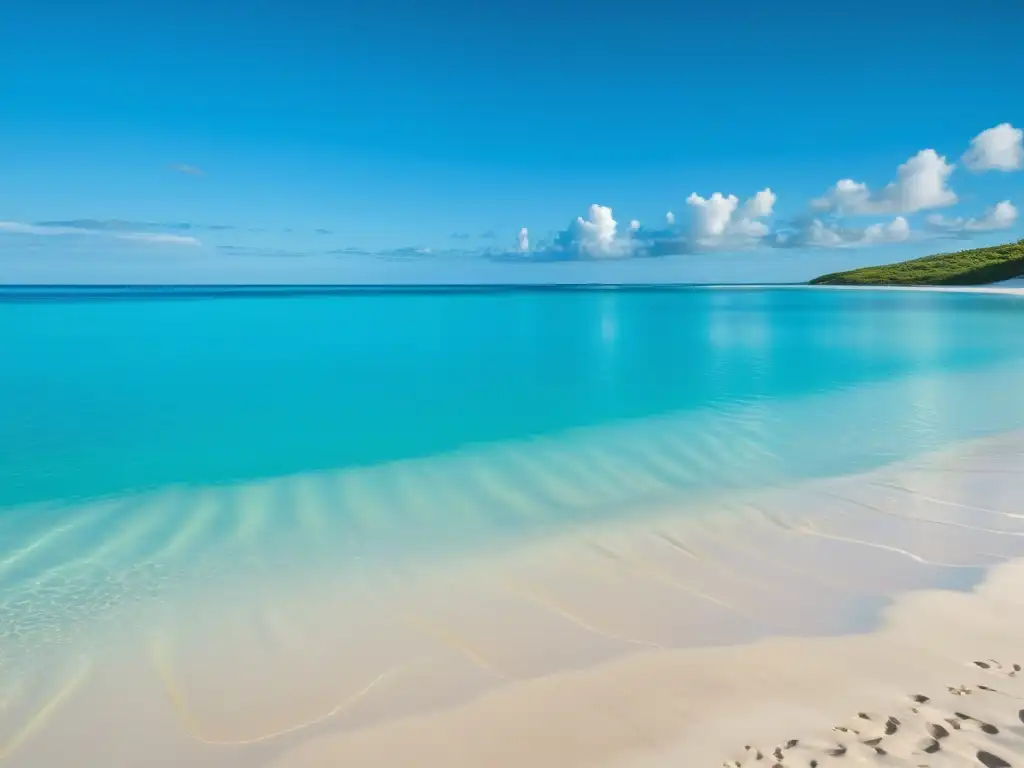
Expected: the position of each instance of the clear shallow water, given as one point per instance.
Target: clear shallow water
(106, 397)
(199, 434)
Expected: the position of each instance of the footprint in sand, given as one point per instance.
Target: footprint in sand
(994, 666)
(965, 725)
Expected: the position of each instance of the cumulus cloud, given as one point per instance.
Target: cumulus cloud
(597, 231)
(523, 240)
(816, 233)
(1002, 215)
(670, 218)
(634, 226)
(822, 235)
(711, 216)
(846, 196)
(595, 236)
(896, 231)
(761, 204)
(996, 149)
(719, 222)
(40, 230)
(921, 183)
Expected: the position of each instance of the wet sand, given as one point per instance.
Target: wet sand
(680, 637)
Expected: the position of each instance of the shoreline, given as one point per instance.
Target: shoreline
(707, 704)
(677, 626)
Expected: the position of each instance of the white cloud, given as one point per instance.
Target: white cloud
(670, 218)
(761, 204)
(896, 231)
(523, 239)
(996, 149)
(19, 228)
(1002, 215)
(596, 235)
(597, 231)
(920, 184)
(711, 216)
(719, 222)
(748, 229)
(847, 196)
(819, 234)
(634, 225)
(157, 237)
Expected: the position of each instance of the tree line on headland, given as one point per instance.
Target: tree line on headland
(977, 266)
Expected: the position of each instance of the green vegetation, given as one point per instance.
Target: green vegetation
(977, 266)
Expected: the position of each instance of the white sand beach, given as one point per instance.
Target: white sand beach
(874, 617)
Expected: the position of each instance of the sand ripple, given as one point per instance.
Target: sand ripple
(263, 614)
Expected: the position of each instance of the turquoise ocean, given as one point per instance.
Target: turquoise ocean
(147, 436)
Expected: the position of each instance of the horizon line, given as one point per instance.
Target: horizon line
(42, 291)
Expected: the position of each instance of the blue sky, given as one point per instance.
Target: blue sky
(280, 141)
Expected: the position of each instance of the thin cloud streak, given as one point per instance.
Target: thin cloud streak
(38, 230)
(188, 170)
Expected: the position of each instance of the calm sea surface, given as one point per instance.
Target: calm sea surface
(162, 431)
(102, 397)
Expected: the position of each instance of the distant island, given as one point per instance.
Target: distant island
(978, 266)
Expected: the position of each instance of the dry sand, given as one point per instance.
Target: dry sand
(875, 618)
